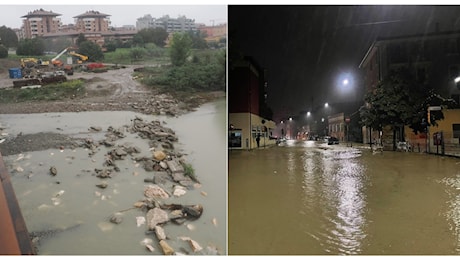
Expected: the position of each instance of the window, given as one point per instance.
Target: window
(456, 130)
(234, 140)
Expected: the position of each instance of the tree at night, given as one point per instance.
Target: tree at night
(400, 100)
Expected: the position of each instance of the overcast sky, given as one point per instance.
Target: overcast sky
(119, 14)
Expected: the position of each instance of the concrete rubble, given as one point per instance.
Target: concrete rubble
(168, 179)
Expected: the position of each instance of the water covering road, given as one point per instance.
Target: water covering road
(310, 198)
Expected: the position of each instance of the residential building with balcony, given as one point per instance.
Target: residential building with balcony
(92, 21)
(40, 22)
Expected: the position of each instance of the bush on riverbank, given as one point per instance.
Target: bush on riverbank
(205, 71)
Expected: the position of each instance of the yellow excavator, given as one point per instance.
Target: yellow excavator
(33, 62)
(81, 58)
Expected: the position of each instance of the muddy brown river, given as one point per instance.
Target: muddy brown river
(71, 203)
(310, 198)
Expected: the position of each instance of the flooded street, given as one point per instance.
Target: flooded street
(312, 198)
(75, 213)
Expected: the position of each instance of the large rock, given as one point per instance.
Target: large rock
(156, 216)
(175, 166)
(159, 155)
(160, 233)
(167, 249)
(155, 191)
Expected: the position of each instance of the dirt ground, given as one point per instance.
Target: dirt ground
(113, 90)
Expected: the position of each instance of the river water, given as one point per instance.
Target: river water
(71, 199)
(310, 198)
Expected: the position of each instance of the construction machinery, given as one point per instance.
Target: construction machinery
(80, 57)
(55, 61)
(33, 62)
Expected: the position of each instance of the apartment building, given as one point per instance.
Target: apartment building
(180, 24)
(94, 25)
(434, 59)
(92, 21)
(40, 22)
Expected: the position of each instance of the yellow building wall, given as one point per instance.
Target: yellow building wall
(243, 121)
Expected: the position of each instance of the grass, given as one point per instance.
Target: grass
(123, 56)
(58, 91)
(189, 171)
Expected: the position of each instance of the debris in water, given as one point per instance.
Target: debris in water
(147, 241)
(102, 185)
(140, 221)
(59, 193)
(19, 169)
(53, 170)
(191, 227)
(150, 248)
(195, 246)
(204, 193)
(214, 221)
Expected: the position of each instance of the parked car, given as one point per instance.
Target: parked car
(332, 140)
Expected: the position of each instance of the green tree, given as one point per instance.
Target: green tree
(397, 101)
(92, 50)
(8, 37)
(110, 46)
(3, 52)
(180, 49)
(159, 36)
(151, 35)
(198, 39)
(138, 40)
(31, 47)
(80, 39)
(137, 53)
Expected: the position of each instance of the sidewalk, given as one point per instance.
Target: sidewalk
(14, 237)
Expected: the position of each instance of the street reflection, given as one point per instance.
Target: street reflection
(331, 199)
(453, 214)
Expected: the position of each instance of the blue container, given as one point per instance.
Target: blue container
(15, 73)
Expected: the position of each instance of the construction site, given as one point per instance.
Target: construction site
(34, 72)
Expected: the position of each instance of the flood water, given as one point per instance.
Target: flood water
(311, 198)
(71, 199)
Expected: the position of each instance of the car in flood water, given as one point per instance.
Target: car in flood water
(332, 140)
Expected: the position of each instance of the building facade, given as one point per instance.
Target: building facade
(434, 59)
(40, 22)
(248, 129)
(92, 21)
(94, 25)
(180, 24)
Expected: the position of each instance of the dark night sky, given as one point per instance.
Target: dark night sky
(306, 49)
